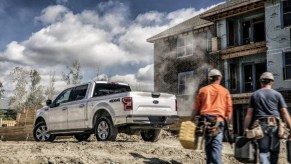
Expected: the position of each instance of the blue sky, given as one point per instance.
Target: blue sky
(47, 35)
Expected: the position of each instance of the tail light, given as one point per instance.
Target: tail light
(176, 105)
(127, 101)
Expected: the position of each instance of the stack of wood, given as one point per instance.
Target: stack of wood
(26, 116)
(23, 129)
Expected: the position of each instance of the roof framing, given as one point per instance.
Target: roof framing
(232, 10)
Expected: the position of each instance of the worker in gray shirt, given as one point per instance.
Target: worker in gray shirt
(266, 105)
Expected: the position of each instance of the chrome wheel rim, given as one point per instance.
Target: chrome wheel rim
(41, 133)
(103, 130)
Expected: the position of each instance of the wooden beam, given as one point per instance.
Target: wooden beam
(242, 98)
(236, 11)
(245, 53)
(243, 47)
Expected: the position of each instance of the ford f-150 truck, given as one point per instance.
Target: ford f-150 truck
(105, 109)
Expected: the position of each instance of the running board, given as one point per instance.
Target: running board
(70, 132)
(150, 127)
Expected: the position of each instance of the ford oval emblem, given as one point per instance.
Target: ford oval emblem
(155, 101)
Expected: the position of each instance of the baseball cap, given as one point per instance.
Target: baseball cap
(214, 72)
(267, 75)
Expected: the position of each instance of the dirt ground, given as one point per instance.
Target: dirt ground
(125, 150)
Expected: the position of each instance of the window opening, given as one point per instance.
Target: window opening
(286, 12)
(247, 32)
(233, 76)
(248, 78)
(260, 68)
(185, 83)
(287, 66)
(231, 33)
(185, 45)
(259, 29)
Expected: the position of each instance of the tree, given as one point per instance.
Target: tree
(50, 90)
(19, 77)
(2, 115)
(73, 76)
(1, 90)
(35, 96)
(99, 76)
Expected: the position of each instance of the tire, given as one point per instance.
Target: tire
(82, 136)
(151, 135)
(105, 130)
(40, 133)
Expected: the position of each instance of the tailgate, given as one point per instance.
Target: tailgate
(153, 104)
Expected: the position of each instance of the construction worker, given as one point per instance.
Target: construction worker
(213, 102)
(266, 105)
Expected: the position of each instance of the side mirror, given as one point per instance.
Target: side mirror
(48, 102)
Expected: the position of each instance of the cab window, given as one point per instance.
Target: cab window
(106, 89)
(63, 97)
(79, 93)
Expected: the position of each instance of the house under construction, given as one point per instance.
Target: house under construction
(242, 38)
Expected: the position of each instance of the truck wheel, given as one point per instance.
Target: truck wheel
(40, 133)
(151, 135)
(105, 130)
(82, 136)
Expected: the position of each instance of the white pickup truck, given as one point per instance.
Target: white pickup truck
(105, 109)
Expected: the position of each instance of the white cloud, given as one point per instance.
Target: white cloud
(146, 73)
(142, 81)
(52, 14)
(103, 36)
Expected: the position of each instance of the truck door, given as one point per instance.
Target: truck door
(58, 116)
(77, 107)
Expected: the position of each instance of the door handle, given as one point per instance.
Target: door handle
(65, 108)
(81, 105)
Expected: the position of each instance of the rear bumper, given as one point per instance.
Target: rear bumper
(152, 120)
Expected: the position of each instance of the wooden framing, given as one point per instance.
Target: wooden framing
(242, 98)
(240, 9)
(245, 50)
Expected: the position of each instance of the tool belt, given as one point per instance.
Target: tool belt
(283, 131)
(270, 121)
(255, 132)
(208, 125)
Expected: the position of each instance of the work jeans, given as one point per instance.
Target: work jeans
(269, 148)
(213, 147)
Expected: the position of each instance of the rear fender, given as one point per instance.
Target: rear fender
(102, 109)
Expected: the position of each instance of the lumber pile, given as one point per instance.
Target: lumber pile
(16, 133)
(26, 116)
(5, 123)
(22, 131)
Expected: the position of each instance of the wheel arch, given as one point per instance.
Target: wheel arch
(99, 113)
(39, 119)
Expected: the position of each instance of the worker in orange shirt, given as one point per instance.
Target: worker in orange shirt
(214, 106)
